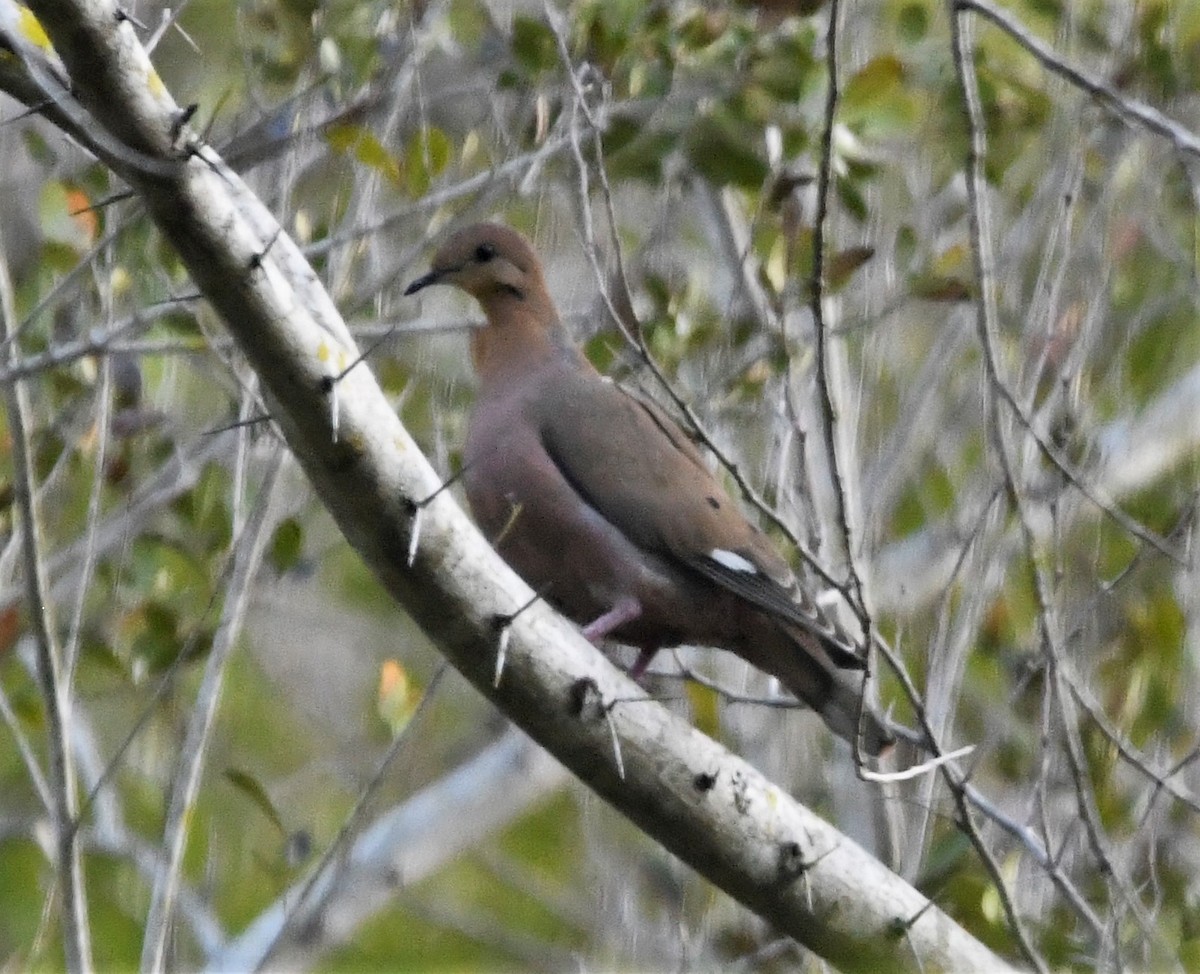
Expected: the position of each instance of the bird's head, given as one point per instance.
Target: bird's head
(490, 262)
(498, 267)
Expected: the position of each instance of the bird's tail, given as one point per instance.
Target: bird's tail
(800, 661)
(849, 715)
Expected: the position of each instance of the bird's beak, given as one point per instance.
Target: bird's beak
(424, 281)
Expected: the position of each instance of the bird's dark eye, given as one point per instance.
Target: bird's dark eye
(484, 252)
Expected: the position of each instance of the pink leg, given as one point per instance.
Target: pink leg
(626, 610)
(640, 664)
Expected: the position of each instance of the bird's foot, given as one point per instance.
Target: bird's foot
(625, 610)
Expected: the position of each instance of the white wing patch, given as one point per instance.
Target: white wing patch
(732, 561)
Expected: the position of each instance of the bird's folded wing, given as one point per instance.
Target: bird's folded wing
(630, 462)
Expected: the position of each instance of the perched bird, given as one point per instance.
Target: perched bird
(600, 502)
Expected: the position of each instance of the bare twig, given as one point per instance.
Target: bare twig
(185, 788)
(28, 757)
(322, 881)
(56, 693)
(964, 64)
(1133, 757)
(828, 409)
(916, 770)
(1128, 109)
(102, 421)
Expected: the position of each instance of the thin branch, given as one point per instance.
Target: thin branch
(119, 337)
(816, 306)
(109, 834)
(1132, 756)
(399, 848)
(916, 770)
(251, 543)
(56, 696)
(963, 56)
(513, 170)
(1059, 694)
(101, 423)
(1036, 848)
(314, 892)
(28, 757)
(1127, 109)
(821, 353)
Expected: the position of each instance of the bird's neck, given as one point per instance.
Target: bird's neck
(523, 334)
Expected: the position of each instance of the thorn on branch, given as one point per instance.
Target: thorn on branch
(249, 421)
(502, 624)
(182, 117)
(125, 17)
(899, 926)
(792, 864)
(587, 703)
(414, 534)
(415, 508)
(256, 262)
(366, 353)
(334, 408)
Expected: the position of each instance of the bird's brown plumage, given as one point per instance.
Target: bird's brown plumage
(599, 500)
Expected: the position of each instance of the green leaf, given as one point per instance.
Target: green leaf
(876, 99)
(851, 197)
(875, 80)
(724, 151)
(636, 152)
(913, 22)
(842, 265)
(361, 143)
(706, 709)
(533, 44)
(250, 786)
(425, 157)
(157, 643)
(786, 68)
(287, 544)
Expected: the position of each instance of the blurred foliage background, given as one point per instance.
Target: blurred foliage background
(1021, 508)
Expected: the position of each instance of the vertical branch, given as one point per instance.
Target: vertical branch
(55, 692)
(1059, 702)
(816, 301)
(102, 417)
(186, 787)
(985, 316)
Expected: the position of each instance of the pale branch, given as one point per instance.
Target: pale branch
(963, 53)
(395, 850)
(107, 832)
(120, 336)
(55, 690)
(250, 545)
(103, 422)
(1128, 109)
